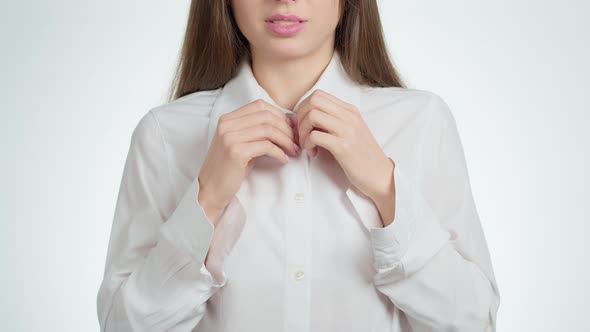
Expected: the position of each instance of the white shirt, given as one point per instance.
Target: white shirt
(298, 249)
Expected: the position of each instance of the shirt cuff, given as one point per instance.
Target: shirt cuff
(226, 234)
(419, 235)
(188, 229)
(391, 242)
(208, 244)
(415, 234)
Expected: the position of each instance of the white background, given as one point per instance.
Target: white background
(76, 76)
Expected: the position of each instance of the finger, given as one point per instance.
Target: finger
(257, 118)
(336, 100)
(318, 119)
(325, 140)
(263, 132)
(319, 100)
(314, 151)
(260, 148)
(256, 105)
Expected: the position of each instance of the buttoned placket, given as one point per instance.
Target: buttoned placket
(298, 243)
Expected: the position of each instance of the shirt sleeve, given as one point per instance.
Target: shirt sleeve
(433, 261)
(156, 278)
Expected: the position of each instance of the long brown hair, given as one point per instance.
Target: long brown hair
(214, 46)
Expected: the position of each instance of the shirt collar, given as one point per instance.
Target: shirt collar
(243, 89)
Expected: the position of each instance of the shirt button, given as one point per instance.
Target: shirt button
(298, 275)
(299, 197)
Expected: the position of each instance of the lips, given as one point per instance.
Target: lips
(282, 17)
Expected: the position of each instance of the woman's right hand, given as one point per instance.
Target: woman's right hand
(255, 129)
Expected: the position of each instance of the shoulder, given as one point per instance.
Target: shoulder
(180, 124)
(408, 108)
(406, 99)
(190, 111)
(196, 105)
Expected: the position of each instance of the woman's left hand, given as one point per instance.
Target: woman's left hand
(322, 120)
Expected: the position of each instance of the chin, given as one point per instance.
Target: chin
(286, 49)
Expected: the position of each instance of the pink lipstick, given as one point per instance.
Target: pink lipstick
(284, 25)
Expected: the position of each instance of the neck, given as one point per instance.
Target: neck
(286, 79)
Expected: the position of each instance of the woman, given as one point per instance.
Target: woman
(294, 184)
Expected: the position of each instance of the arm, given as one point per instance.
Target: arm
(437, 280)
(155, 277)
(432, 261)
